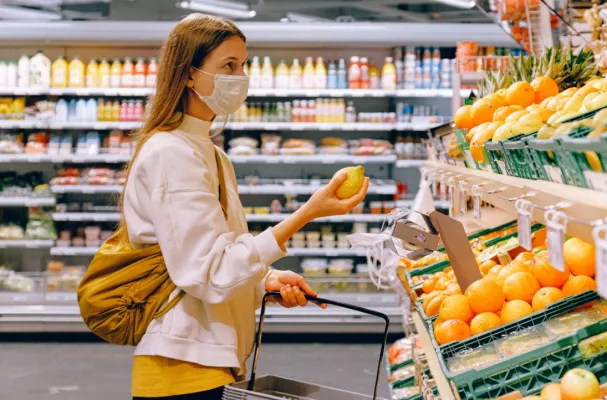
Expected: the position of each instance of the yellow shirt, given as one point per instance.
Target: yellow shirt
(156, 376)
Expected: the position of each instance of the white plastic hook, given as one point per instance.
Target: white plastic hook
(556, 221)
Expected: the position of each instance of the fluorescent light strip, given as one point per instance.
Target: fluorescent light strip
(20, 14)
(465, 4)
(218, 10)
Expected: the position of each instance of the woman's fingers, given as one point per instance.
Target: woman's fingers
(291, 296)
(300, 297)
(285, 297)
(360, 196)
(306, 287)
(336, 182)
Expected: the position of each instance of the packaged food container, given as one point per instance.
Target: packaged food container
(313, 244)
(298, 244)
(359, 208)
(328, 236)
(78, 242)
(326, 229)
(314, 266)
(376, 207)
(92, 233)
(360, 227)
(261, 210)
(363, 281)
(328, 244)
(313, 236)
(389, 206)
(65, 235)
(248, 210)
(299, 236)
(92, 243)
(276, 206)
(63, 243)
(340, 268)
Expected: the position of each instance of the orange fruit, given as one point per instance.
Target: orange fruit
(486, 266)
(502, 113)
(538, 238)
(452, 330)
(484, 322)
(520, 94)
(578, 284)
(463, 119)
(545, 296)
(456, 306)
(544, 87)
(551, 391)
(429, 298)
(482, 111)
(546, 274)
(441, 283)
(495, 270)
(498, 99)
(470, 134)
(523, 257)
(508, 270)
(521, 286)
(485, 295)
(514, 310)
(434, 305)
(437, 322)
(453, 288)
(580, 257)
(428, 286)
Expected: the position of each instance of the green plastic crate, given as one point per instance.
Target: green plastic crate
(464, 146)
(518, 157)
(583, 175)
(409, 382)
(494, 153)
(529, 372)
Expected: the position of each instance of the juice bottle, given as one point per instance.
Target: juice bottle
(116, 110)
(308, 79)
(255, 74)
(364, 73)
(320, 111)
(128, 71)
(103, 74)
(76, 73)
(92, 74)
(100, 110)
(107, 111)
(138, 111)
(59, 73)
(115, 73)
(150, 78)
(354, 73)
(321, 74)
(267, 74)
(374, 81)
(295, 75)
(282, 75)
(388, 75)
(342, 75)
(139, 74)
(332, 76)
(123, 110)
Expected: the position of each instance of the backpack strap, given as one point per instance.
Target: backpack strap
(223, 194)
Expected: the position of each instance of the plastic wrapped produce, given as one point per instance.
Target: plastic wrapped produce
(40, 230)
(270, 144)
(242, 146)
(11, 232)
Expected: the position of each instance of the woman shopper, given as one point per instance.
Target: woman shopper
(182, 194)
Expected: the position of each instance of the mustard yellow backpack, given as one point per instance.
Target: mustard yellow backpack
(125, 288)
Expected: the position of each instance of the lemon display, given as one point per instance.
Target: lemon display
(353, 182)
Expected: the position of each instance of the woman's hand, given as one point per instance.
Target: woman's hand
(292, 288)
(324, 203)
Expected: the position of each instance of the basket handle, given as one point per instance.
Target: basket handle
(321, 301)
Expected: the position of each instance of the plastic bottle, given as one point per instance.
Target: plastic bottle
(123, 110)
(311, 112)
(342, 75)
(364, 73)
(138, 111)
(11, 74)
(103, 74)
(71, 110)
(295, 75)
(107, 111)
(100, 110)
(40, 71)
(81, 110)
(3, 74)
(140, 73)
(23, 71)
(116, 73)
(282, 75)
(76, 74)
(332, 76)
(388, 75)
(92, 74)
(91, 110)
(150, 78)
(350, 112)
(61, 110)
(308, 80)
(267, 74)
(128, 71)
(59, 73)
(374, 81)
(255, 74)
(354, 73)
(116, 110)
(321, 74)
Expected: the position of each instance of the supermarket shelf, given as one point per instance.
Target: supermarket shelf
(86, 189)
(73, 251)
(580, 205)
(86, 216)
(409, 163)
(314, 159)
(25, 316)
(27, 201)
(442, 384)
(28, 244)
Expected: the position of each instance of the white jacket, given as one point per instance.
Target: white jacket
(172, 198)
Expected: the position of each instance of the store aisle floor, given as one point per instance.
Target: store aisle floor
(94, 371)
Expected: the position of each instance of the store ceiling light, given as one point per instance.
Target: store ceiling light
(298, 17)
(22, 14)
(465, 4)
(226, 9)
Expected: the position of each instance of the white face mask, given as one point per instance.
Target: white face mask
(229, 92)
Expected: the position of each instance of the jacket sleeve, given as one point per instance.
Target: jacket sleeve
(202, 256)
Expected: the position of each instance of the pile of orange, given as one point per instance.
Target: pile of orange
(506, 292)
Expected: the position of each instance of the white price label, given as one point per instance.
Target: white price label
(556, 222)
(596, 180)
(434, 186)
(451, 201)
(554, 173)
(477, 207)
(463, 204)
(502, 166)
(600, 242)
(524, 223)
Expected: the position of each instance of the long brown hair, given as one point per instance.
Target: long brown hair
(188, 45)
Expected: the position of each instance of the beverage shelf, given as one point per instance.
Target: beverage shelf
(27, 201)
(28, 244)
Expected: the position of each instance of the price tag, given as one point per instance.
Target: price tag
(463, 204)
(600, 242)
(443, 190)
(476, 200)
(554, 173)
(451, 200)
(434, 185)
(556, 221)
(523, 207)
(596, 180)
